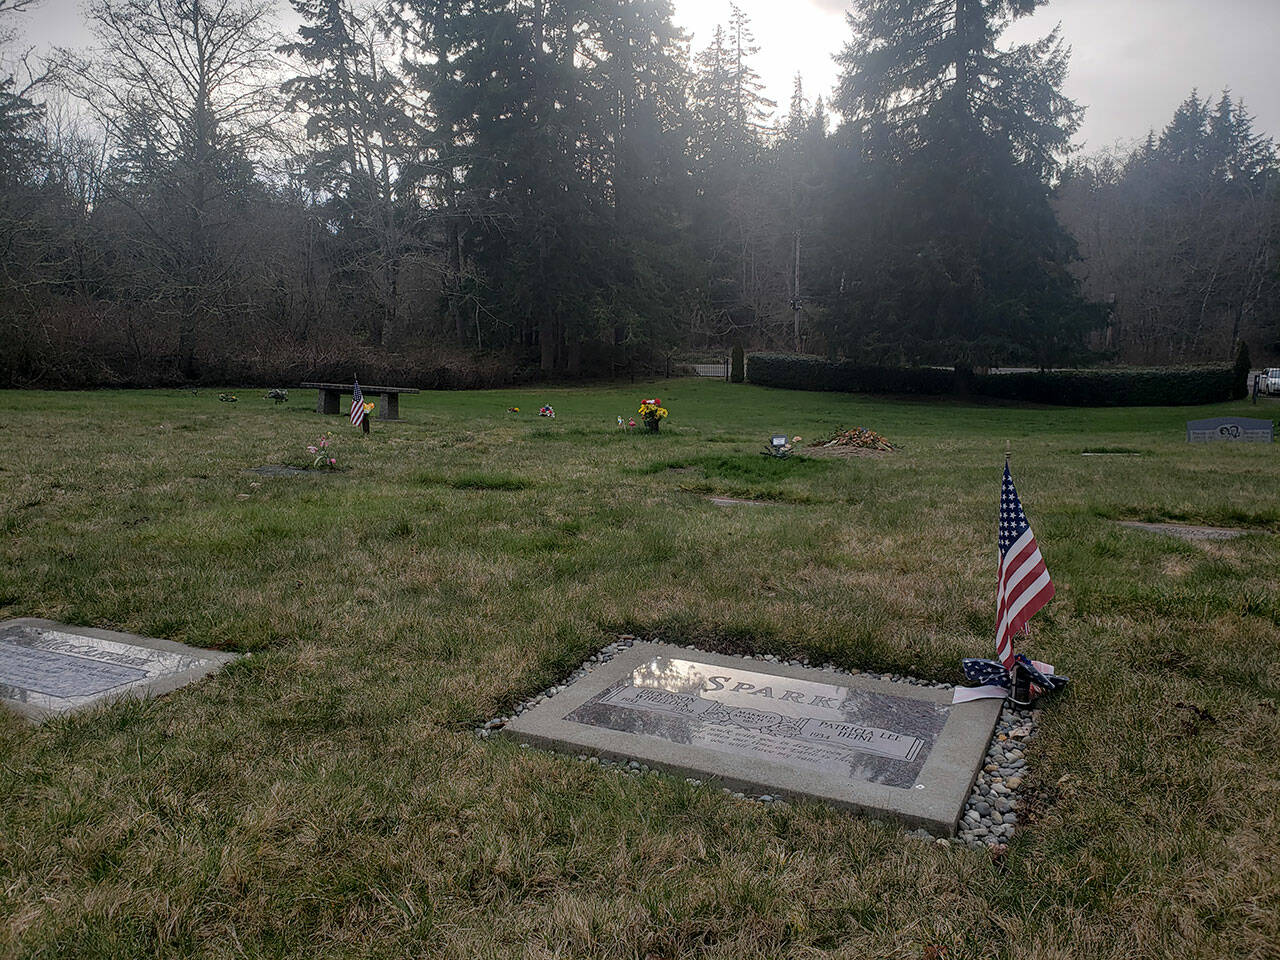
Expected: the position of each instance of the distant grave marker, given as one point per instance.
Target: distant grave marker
(884, 748)
(1186, 531)
(47, 668)
(1238, 429)
(278, 470)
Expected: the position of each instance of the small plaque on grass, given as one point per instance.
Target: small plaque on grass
(884, 748)
(47, 668)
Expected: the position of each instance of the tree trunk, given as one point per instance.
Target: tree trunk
(547, 343)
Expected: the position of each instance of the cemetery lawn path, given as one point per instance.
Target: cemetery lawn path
(327, 797)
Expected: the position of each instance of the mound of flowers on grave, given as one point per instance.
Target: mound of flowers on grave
(859, 437)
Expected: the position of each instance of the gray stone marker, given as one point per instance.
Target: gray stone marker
(279, 470)
(1187, 531)
(890, 749)
(47, 668)
(1230, 428)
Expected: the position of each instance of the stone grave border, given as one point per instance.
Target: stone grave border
(990, 813)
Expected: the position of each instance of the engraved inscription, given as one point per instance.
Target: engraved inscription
(849, 732)
(58, 671)
(60, 674)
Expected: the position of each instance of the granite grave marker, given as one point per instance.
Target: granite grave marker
(1238, 429)
(47, 668)
(885, 748)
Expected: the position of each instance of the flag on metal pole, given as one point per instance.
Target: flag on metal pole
(1023, 580)
(357, 405)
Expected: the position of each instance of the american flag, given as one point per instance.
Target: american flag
(1024, 584)
(357, 405)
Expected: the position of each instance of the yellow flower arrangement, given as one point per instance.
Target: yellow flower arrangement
(652, 410)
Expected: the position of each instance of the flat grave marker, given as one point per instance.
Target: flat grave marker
(884, 748)
(1233, 429)
(278, 470)
(1187, 531)
(48, 668)
(735, 502)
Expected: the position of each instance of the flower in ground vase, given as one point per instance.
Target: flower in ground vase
(323, 456)
(652, 412)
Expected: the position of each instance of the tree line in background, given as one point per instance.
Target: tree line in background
(455, 191)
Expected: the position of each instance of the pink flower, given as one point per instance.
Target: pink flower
(333, 462)
(311, 449)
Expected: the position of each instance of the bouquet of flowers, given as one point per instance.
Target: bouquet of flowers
(652, 412)
(547, 411)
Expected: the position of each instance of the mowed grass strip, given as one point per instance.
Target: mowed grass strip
(325, 797)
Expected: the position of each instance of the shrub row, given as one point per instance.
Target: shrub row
(1135, 387)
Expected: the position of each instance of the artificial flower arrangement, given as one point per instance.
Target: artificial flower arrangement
(513, 409)
(324, 459)
(547, 411)
(652, 412)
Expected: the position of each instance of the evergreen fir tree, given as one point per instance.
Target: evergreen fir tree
(948, 147)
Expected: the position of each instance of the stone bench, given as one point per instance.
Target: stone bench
(330, 393)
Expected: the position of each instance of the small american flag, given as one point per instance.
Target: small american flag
(1024, 585)
(357, 405)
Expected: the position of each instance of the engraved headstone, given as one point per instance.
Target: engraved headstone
(1245, 429)
(885, 748)
(47, 668)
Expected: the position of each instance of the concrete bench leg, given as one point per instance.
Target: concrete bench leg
(389, 409)
(327, 401)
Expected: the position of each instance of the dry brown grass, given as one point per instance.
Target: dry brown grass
(326, 798)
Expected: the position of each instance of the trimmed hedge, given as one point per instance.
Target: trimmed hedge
(1145, 387)
(1132, 387)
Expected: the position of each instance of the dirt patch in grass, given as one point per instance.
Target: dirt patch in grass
(844, 453)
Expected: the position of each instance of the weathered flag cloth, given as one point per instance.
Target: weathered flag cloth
(990, 673)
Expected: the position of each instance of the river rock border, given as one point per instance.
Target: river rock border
(990, 815)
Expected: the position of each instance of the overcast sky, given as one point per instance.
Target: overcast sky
(1133, 61)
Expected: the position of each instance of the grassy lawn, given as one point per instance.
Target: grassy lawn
(326, 797)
